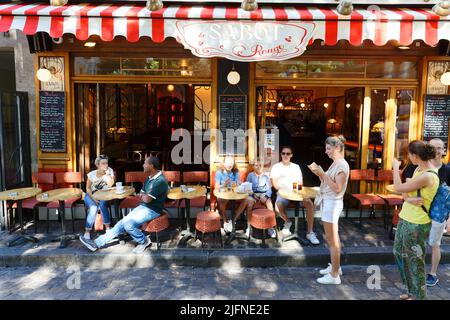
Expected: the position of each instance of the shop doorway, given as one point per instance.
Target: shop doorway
(128, 122)
(305, 116)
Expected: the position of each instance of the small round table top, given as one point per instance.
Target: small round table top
(111, 194)
(305, 193)
(177, 194)
(391, 189)
(230, 195)
(61, 194)
(19, 193)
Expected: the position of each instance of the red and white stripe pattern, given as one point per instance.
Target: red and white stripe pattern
(135, 21)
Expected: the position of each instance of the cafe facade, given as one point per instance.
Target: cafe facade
(119, 79)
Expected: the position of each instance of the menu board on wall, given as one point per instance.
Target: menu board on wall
(233, 115)
(52, 124)
(437, 116)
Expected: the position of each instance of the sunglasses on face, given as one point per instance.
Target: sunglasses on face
(286, 153)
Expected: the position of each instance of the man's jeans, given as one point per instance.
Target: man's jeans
(90, 220)
(131, 224)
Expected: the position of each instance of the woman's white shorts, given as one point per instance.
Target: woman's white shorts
(331, 210)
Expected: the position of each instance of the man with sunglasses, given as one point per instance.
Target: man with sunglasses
(283, 175)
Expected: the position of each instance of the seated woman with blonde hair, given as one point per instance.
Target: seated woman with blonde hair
(261, 194)
(101, 178)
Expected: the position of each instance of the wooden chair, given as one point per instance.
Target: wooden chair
(45, 181)
(65, 180)
(369, 199)
(391, 200)
(196, 177)
(133, 178)
(174, 179)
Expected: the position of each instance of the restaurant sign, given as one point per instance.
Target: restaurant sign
(245, 40)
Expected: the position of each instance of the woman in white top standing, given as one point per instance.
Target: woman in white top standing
(101, 178)
(331, 198)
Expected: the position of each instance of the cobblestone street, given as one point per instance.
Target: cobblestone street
(204, 283)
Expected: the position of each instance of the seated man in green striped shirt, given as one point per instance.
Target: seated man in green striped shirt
(153, 195)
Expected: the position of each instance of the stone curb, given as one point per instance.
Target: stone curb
(218, 258)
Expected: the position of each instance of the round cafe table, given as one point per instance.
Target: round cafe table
(61, 195)
(232, 196)
(297, 197)
(16, 196)
(178, 194)
(112, 195)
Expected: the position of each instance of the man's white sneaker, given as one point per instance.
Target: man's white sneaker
(327, 270)
(140, 248)
(312, 238)
(272, 233)
(228, 226)
(329, 279)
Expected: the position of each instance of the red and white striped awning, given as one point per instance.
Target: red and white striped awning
(135, 21)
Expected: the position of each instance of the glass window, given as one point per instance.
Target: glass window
(404, 98)
(202, 104)
(347, 68)
(281, 69)
(97, 65)
(143, 66)
(332, 68)
(391, 69)
(378, 101)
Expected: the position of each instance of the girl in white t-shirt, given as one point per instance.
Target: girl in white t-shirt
(102, 178)
(332, 188)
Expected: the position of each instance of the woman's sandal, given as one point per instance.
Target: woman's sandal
(405, 296)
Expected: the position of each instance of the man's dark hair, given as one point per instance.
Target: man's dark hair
(154, 161)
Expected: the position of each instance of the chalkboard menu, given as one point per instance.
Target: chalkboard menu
(52, 128)
(233, 116)
(437, 116)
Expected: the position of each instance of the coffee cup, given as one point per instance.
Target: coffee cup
(119, 186)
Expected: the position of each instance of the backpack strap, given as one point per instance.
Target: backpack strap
(418, 190)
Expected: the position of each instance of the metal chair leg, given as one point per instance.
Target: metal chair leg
(35, 220)
(360, 215)
(48, 220)
(157, 241)
(221, 240)
(203, 238)
(73, 220)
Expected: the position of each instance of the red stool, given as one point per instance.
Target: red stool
(157, 225)
(208, 222)
(263, 219)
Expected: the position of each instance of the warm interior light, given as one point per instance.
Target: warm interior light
(170, 87)
(345, 7)
(154, 5)
(404, 48)
(249, 5)
(442, 8)
(90, 44)
(233, 77)
(325, 105)
(347, 105)
(302, 105)
(58, 2)
(445, 78)
(332, 121)
(44, 74)
(280, 105)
